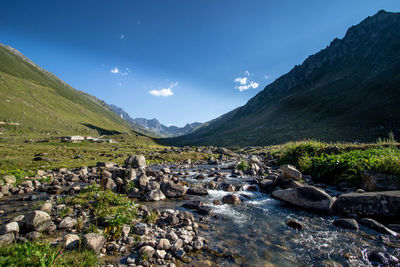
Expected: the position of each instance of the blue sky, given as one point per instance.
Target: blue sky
(176, 60)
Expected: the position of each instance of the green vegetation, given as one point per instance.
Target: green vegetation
(152, 217)
(44, 254)
(110, 210)
(243, 166)
(335, 163)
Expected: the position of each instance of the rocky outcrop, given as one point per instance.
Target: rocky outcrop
(306, 197)
(371, 204)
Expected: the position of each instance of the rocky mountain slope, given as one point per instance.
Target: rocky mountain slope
(153, 127)
(34, 101)
(349, 91)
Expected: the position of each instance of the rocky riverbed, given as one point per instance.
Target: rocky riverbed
(221, 212)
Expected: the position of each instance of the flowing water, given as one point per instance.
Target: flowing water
(255, 233)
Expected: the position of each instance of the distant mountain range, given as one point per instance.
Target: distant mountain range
(349, 91)
(154, 127)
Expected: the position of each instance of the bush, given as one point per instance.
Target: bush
(243, 166)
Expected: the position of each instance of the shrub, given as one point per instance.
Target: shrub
(243, 166)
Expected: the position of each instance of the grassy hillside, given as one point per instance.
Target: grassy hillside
(41, 103)
(349, 91)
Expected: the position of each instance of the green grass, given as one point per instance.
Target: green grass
(43, 254)
(110, 210)
(339, 162)
(243, 166)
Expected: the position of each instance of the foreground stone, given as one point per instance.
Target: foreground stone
(6, 239)
(37, 220)
(231, 199)
(173, 190)
(306, 197)
(371, 204)
(290, 172)
(93, 241)
(346, 223)
(70, 241)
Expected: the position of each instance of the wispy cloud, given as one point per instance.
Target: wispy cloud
(122, 36)
(116, 70)
(245, 83)
(165, 92)
(119, 84)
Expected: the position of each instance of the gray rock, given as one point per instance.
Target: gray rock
(374, 225)
(140, 229)
(146, 251)
(93, 241)
(154, 195)
(160, 253)
(172, 220)
(109, 183)
(371, 204)
(198, 244)
(346, 223)
(372, 181)
(295, 224)
(6, 239)
(11, 227)
(164, 244)
(290, 172)
(126, 229)
(306, 197)
(135, 161)
(199, 191)
(34, 235)
(172, 236)
(70, 241)
(47, 207)
(172, 190)
(231, 199)
(37, 220)
(67, 223)
(143, 180)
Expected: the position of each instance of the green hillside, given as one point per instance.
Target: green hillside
(349, 91)
(43, 104)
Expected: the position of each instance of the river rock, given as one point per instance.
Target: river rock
(11, 227)
(143, 180)
(6, 239)
(70, 241)
(164, 244)
(231, 199)
(135, 161)
(374, 225)
(266, 185)
(34, 235)
(126, 229)
(47, 207)
(10, 179)
(67, 223)
(290, 172)
(172, 190)
(93, 241)
(295, 224)
(146, 251)
(372, 181)
(306, 197)
(346, 223)
(37, 220)
(140, 229)
(371, 204)
(109, 183)
(154, 195)
(200, 191)
(172, 219)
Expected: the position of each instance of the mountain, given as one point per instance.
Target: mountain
(35, 101)
(349, 91)
(153, 127)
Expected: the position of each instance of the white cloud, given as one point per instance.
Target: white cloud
(252, 84)
(267, 77)
(241, 80)
(165, 92)
(116, 70)
(122, 36)
(247, 73)
(120, 84)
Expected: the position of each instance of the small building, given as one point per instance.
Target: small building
(72, 138)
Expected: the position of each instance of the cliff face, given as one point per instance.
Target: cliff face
(348, 91)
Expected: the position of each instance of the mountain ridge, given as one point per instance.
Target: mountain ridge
(310, 100)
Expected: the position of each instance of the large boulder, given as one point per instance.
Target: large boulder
(172, 190)
(142, 181)
(290, 172)
(374, 225)
(37, 220)
(154, 195)
(306, 197)
(372, 181)
(199, 191)
(93, 241)
(371, 204)
(135, 161)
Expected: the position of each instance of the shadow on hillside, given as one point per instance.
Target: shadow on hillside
(101, 131)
